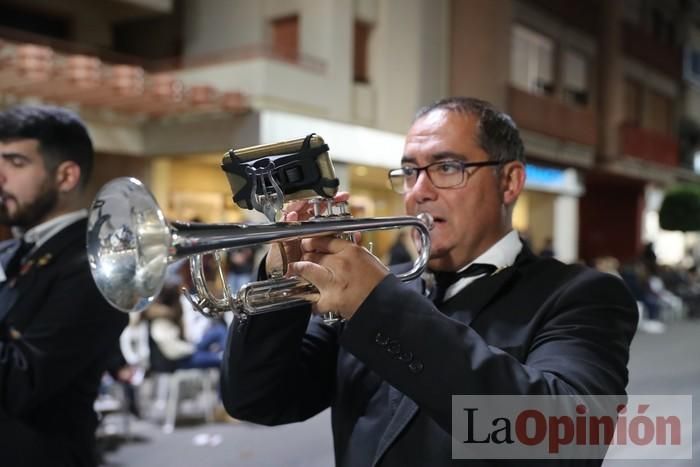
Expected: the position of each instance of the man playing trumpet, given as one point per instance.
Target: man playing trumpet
(499, 320)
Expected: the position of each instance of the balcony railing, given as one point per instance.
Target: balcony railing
(236, 54)
(648, 145)
(551, 117)
(239, 54)
(32, 70)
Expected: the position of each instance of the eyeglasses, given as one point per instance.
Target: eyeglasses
(442, 174)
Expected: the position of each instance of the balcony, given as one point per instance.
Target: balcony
(96, 76)
(38, 71)
(548, 116)
(284, 81)
(648, 145)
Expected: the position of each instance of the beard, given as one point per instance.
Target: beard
(33, 213)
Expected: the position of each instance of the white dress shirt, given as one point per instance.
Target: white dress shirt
(39, 234)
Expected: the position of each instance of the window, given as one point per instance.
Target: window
(575, 78)
(691, 65)
(360, 52)
(532, 61)
(648, 109)
(662, 27)
(285, 37)
(658, 114)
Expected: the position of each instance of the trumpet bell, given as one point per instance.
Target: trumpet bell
(128, 244)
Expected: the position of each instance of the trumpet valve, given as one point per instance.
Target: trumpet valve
(318, 205)
(327, 207)
(341, 209)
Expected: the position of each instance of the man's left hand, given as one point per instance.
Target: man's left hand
(343, 272)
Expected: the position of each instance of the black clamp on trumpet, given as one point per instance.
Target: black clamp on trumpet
(264, 177)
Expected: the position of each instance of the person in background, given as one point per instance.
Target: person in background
(240, 267)
(547, 250)
(399, 253)
(57, 333)
(169, 349)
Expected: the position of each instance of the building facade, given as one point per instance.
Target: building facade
(596, 87)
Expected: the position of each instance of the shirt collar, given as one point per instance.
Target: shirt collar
(502, 253)
(39, 234)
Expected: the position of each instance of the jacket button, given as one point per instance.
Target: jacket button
(381, 339)
(406, 357)
(394, 348)
(416, 366)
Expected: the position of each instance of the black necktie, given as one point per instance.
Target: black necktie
(13, 266)
(444, 279)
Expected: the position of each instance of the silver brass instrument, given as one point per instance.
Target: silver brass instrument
(130, 244)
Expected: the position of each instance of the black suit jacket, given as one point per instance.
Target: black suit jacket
(538, 327)
(55, 343)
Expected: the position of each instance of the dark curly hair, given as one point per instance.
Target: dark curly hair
(61, 134)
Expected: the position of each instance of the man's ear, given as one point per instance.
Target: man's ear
(512, 181)
(67, 176)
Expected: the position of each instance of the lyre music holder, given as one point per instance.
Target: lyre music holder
(264, 177)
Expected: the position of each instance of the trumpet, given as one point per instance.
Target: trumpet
(130, 245)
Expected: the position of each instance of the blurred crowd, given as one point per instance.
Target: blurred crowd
(171, 339)
(663, 292)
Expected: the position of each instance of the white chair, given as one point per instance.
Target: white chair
(197, 386)
(114, 401)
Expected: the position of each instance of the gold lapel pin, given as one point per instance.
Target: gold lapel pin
(44, 260)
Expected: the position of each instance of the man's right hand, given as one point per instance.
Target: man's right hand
(282, 253)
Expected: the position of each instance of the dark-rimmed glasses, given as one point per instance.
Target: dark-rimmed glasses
(442, 174)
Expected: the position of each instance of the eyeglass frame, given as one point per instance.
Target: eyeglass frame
(465, 166)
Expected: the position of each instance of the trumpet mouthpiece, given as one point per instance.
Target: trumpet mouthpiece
(427, 219)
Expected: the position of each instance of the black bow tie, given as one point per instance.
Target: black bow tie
(444, 279)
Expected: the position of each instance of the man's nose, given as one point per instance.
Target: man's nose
(423, 190)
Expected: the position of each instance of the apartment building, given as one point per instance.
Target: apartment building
(595, 86)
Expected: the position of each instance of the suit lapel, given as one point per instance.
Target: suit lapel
(7, 292)
(45, 255)
(11, 293)
(8, 297)
(406, 409)
(473, 299)
(464, 307)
